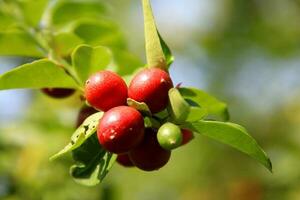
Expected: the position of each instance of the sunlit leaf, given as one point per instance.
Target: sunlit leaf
(233, 135)
(88, 60)
(64, 43)
(213, 106)
(38, 74)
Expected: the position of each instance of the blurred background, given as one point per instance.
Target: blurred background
(244, 52)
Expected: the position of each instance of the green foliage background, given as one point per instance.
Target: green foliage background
(242, 31)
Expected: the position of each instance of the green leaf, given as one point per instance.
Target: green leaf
(213, 106)
(67, 11)
(99, 32)
(38, 74)
(18, 43)
(233, 135)
(154, 50)
(93, 162)
(65, 42)
(178, 108)
(196, 114)
(167, 52)
(88, 60)
(83, 132)
(140, 106)
(33, 10)
(127, 63)
(6, 21)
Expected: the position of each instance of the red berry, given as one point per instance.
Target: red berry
(105, 90)
(84, 113)
(124, 160)
(151, 86)
(58, 92)
(187, 136)
(149, 155)
(121, 129)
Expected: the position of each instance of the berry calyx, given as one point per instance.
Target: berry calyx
(121, 129)
(105, 90)
(151, 86)
(169, 136)
(124, 160)
(187, 136)
(149, 155)
(84, 113)
(58, 92)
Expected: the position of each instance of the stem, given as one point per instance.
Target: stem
(154, 51)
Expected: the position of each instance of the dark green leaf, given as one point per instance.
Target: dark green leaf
(233, 135)
(67, 11)
(38, 74)
(18, 43)
(213, 106)
(93, 162)
(83, 132)
(167, 52)
(88, 60)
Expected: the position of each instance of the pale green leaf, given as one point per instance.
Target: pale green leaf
(88, 60)
(65, 42)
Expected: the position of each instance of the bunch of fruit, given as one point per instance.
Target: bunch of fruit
(122, 128)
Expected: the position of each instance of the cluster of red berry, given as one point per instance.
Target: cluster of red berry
(121, 130)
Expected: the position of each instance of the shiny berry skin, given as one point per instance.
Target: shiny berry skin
(169, 136)
(187, 136)
(124, 160)
(149, 155)
(84, 113)
(58, 92)
(105, 90)
(121, 129)
(151, 86)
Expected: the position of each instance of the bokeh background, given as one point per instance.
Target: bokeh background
(245, 52)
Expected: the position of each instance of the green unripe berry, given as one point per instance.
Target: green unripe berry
(169, 136)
